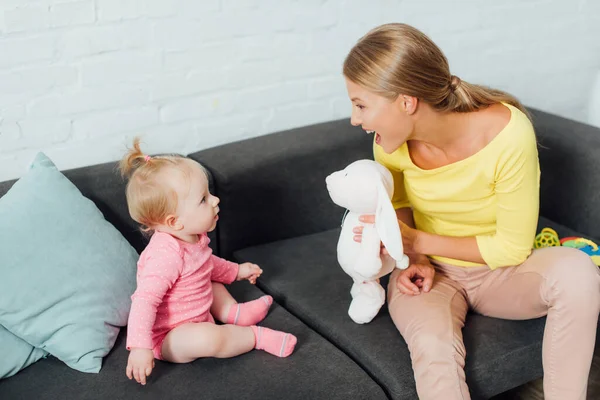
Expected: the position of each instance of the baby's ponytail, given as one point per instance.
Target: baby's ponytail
(133, 160)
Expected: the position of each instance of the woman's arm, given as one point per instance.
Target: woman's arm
(405, 215)
(459, 248)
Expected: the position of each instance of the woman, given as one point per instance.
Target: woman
(466, 172)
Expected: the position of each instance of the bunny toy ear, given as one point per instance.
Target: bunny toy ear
(386, 223)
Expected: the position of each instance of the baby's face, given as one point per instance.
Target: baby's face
(197, 209)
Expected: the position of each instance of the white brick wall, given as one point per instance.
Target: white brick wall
(80, 78)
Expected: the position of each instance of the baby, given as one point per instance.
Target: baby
(180, 289)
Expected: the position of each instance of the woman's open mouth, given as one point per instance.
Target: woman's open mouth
(377, 138)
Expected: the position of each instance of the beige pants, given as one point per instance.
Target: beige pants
(559, 282)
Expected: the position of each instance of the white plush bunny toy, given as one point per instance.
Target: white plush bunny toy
(366, 187)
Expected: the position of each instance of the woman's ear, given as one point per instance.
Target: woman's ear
(409, 104)
(173, 223)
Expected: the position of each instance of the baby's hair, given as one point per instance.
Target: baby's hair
(150, 196)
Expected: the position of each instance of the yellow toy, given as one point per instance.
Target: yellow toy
(546, 238)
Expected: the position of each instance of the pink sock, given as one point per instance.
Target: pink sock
(278, 343)
(249, 313)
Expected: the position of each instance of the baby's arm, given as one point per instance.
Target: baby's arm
(156, 275)
(223, 271)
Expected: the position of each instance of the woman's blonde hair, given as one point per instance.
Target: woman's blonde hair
(150, 198)
(395, 59)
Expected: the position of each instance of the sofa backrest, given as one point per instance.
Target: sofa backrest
(273, 187)
(260, 204)
(570, 163)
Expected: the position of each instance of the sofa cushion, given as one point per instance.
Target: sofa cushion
(66, 274)
(304, 276)
(316, 367)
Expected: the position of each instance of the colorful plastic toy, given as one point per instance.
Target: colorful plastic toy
(549, 238)
(585, 245)
(546, 238)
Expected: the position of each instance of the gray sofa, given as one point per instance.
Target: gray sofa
(275, 211)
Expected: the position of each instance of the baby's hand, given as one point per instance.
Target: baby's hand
(249, 271)
(140, 364)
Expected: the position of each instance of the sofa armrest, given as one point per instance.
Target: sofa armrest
(570, 165)
(273, 187)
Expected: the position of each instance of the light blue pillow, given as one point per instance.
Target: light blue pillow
(66, 274)
(17, 354)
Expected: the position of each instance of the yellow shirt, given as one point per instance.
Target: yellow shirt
(492, 195)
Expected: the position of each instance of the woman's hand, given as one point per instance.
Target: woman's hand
(410, 237)
(417, 278)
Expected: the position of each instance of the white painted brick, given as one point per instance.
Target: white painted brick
(181, 85)
(223, 70)
(75, 154)
(250, 74)
(211, 133)
(198, 9)
(10, 136)
(274, 46)
(348, 14)
(178, 34)
(105, 97)
(116, 10)
(327, 87)
(130, 66)
(272, 96)
(210, 56)
(236, 5)
(92, 40)
(20, 51)
(14, 111)
(312, 67)
(87, 100)
(41, 132)
(245, 23)
(155, 9)
(72, 13)
(38, 80)
(12, 4)
(45, 106)
(335, 43)
(197, 108)
(9, 100)
(340, 107)
(113, 122)
(297, 115)
(169, 138)
(2, 24)
(321, 16)
(12, 165)
(27, 18)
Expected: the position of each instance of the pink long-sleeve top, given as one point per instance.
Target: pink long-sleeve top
(174, 287)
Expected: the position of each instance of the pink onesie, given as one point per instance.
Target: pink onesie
(173, 287)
